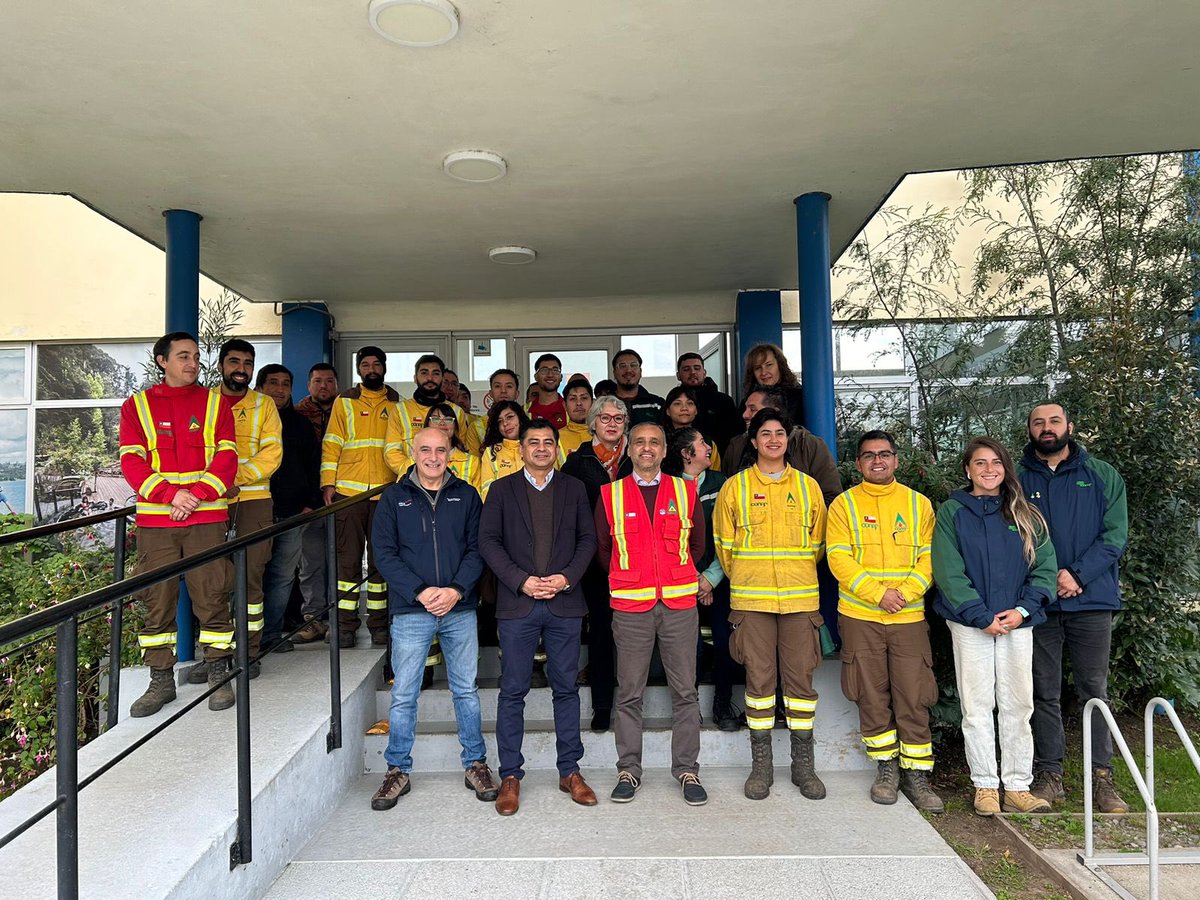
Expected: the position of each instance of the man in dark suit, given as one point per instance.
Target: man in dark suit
(537, 535)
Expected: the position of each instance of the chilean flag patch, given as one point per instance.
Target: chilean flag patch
(760, 496)
(870, 520)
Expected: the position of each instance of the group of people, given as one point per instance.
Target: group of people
(687, 522)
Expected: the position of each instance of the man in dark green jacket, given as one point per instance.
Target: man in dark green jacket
(1083, 500)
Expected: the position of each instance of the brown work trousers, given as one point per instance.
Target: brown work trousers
(757, 641)
(634, 633)
(353, 536)
(250, 516)
(888, 671)
(208, 587)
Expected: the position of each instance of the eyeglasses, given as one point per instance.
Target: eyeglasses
(611, 418)
(439, 420)
(552, 370)
(882, 455)
(628, 365)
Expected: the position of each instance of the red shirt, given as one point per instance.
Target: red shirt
(555, 413)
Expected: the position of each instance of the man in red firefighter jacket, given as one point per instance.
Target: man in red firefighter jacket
(179, 454)
(650, 530)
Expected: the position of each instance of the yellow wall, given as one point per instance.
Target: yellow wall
(68, 273)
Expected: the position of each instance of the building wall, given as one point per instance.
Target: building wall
(68, 273)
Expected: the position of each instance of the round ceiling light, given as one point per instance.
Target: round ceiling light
(414, 23)
(477, 166)
(512, 256)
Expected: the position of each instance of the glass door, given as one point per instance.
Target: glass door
(590, 357)
(402, 355)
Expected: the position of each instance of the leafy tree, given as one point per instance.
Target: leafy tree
(219, 316)
(1107, 247)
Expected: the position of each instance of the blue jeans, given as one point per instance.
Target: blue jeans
(411, 634)
(278, 581)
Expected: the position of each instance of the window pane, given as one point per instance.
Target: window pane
(591, 364)
(12, 375)
(482, 365)
(76, 467)
(791, 349)
(865, 351)
(13, 444)
(92, 372)
(657, 351)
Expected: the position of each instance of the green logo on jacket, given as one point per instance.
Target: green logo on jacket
(1083, 484)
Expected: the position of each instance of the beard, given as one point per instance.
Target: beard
(372, 382)
(1052, 443)
(235, 383)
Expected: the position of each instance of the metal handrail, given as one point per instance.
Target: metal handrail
(53, 528)
(1145, 787)
(64, 618)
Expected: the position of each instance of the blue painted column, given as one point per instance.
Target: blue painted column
(816, 316)
(305, 342)
(758, 320)
(183, 314)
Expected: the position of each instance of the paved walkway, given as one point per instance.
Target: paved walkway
(441, 841)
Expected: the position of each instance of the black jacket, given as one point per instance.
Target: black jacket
(586, 466)
(506, 544)
(717, 415)
(297, 482)
(645, 407)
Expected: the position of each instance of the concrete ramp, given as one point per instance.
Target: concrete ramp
(440, 841)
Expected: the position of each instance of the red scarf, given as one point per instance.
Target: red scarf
(610, 459)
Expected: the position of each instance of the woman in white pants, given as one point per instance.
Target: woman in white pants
(995, 571)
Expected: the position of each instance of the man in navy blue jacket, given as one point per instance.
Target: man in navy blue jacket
(1083, 500)
(426, 544)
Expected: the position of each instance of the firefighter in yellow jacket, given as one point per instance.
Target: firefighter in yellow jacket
(260, 451)
(413, 412)
(769, 524)
(878, 544)
(352, 462)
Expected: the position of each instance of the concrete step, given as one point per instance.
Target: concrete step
(436, 748)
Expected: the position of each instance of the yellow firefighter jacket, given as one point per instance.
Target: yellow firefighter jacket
(352, 451)
(259, 444)
(879, 537)
(769, 535)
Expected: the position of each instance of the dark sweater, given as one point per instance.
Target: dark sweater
(296, 484)
(541, 516)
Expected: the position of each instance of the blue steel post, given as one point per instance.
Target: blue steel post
(305, 341)
(758, 320)
(816, 315)
(183, 314)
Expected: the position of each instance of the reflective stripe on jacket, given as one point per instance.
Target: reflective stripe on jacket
(650, 559)
(770, 533)
(878, 537)
(397, 447)
(259, 441)
(352, 452)
(174, 438)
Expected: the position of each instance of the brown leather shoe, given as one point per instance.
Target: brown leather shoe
(574, 785)
(509, 799)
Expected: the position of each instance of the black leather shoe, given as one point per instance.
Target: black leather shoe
(601, 720)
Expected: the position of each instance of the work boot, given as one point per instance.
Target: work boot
(347, 639)
(379, 637)
(1048, 785)
(479, 778)
(1024, 802)
(222, 697)
(804, 775)
(197, 674)
(887, 779)
(1104, 793)
(987, 801)
(313, 631)
(915, 785)
(762, 767)
(160, 692)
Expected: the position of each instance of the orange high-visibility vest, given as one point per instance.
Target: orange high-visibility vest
(650, 556)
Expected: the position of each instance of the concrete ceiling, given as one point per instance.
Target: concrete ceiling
(652, 146)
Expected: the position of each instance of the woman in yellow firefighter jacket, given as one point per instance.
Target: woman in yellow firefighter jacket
(464, 464)
(501, 451)
(769, 523)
